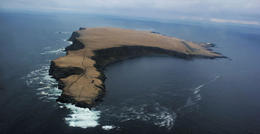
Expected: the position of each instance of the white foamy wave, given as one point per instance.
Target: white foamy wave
(69, 42)
(57, 51)
(108, 127)
(66, 40)
(159, 115)
(195, 97)
(165, 119)
(47, 90)
(45, 85)
(197, 89)
(196, 92)
(82, 117)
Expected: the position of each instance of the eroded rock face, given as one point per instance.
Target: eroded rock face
(108, 56)
(74, 36)
(75, 46)
(59, 72)
(80, 72)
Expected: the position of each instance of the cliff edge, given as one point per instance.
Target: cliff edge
(80, 72)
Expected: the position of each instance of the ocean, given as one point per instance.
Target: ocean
(155, 94)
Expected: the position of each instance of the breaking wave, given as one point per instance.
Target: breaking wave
(44, 84)
(81, 117)
(49, 50)
(57, 51)
(196, 92)
(159, 115)
(108, 127)
(46, 88)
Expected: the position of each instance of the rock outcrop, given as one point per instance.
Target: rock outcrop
(80, 72)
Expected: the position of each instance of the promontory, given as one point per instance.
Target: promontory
(80, 73)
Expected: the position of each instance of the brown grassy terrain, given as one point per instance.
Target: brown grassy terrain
(86, 88)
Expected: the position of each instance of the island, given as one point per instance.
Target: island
(80, 74)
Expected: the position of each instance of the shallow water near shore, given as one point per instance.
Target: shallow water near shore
(158, 94)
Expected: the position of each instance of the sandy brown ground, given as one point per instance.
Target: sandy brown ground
(86, 86)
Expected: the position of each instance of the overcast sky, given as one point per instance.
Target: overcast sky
(221, 11)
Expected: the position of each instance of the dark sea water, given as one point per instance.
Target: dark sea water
(158, 94)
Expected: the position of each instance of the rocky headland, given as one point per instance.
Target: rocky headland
(80, 73)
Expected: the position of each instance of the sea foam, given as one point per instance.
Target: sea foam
(196, 96)
(108, 127)
(46, 88)
(155, 113)
(57, 51)
(82, 117)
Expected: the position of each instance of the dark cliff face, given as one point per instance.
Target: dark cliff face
(76, 44)
(68, 99)
(59, 73)
(73, 36)
(108, 56)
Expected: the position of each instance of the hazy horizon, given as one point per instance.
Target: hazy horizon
(221, 11)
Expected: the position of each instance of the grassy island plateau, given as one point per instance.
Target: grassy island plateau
(80, 73)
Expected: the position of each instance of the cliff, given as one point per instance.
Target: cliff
(80, 72)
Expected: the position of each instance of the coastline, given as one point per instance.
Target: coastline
(80, 73)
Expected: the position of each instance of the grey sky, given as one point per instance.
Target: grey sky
(222, 11)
